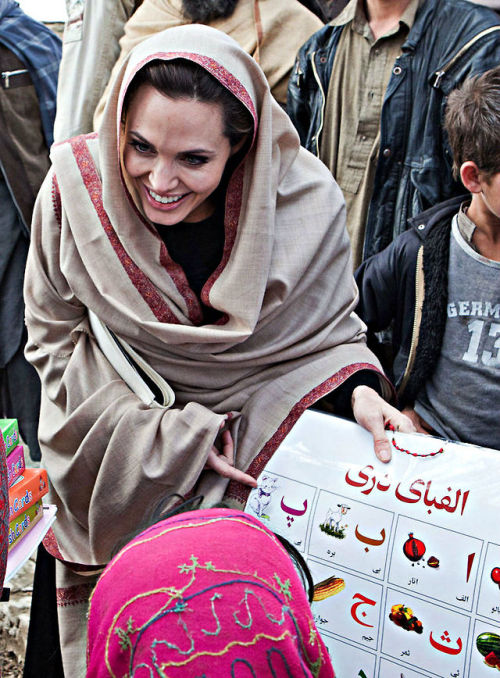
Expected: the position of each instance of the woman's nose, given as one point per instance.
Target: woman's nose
(163, 177)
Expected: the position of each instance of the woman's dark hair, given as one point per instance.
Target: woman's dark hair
(182, 79)
(164, 510)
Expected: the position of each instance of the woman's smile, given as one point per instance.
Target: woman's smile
(165, 201)
(175, 154)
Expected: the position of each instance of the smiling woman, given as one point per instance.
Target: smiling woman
(175, 175)
(196, 227)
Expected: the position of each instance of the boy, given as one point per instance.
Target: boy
(438, 285)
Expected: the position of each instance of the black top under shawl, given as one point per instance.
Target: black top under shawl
(197, 248)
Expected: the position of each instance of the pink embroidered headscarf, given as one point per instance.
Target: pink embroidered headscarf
(207, 593)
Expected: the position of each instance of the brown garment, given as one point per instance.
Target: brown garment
(24, 156)
(272, 31)
(351, 138)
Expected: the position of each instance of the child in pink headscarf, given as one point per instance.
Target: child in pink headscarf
(207, 593)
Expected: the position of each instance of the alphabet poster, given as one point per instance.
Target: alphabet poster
(405, 556)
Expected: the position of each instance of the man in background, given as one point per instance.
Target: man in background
(367, 96)
(29, 61)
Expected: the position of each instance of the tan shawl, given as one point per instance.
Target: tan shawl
(272, 31)
(288, 333)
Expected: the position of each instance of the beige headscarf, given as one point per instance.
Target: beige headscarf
(272, 31)
(288, 334)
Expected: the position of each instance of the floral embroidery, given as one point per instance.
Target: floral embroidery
(56, 200)
(178, 601)
(196, 613)
(284, 586)
(124, 636)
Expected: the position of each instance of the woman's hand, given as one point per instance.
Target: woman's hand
(373, 413)
(223, 462)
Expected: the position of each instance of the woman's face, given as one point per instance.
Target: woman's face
(175, 153)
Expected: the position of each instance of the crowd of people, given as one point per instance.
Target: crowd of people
(246, 212)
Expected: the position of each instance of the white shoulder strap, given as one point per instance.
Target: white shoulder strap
(140, 377)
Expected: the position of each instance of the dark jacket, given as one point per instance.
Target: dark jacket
(449, 40)
(392, 295)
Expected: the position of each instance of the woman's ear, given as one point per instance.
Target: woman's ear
(470, 176)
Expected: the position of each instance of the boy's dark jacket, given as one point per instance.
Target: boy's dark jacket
(392, 292)
(449, 41)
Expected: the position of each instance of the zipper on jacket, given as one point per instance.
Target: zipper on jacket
(438, 75)
(7, 75)
(298, 74)
(419, 300)
(320, 129)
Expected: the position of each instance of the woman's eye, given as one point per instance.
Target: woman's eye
(195, 159)
(140, 146)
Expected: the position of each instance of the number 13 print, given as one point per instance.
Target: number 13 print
(489, 359)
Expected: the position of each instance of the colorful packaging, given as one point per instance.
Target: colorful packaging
(15, 464)
(29, 488)
(10, 434)
(20, 526)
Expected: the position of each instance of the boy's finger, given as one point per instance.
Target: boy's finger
(382, 448)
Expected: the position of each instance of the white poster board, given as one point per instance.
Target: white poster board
(351, 517)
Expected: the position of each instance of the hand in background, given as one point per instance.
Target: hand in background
(421, 426)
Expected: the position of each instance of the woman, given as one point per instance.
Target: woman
(200, 608)
(247, 335)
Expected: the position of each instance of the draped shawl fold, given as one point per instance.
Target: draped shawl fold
(287, 333)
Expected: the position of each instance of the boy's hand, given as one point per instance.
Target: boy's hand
(421, 426)
(373, 413)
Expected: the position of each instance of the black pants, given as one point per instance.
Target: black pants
(43, 652)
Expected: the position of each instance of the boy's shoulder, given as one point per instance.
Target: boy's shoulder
(423, 224)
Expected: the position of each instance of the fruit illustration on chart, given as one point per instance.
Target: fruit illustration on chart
(413, 548)
(403, 616)
(328, 587)
(495, 575)
(488, 645)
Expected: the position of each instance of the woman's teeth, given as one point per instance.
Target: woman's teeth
(163, 200)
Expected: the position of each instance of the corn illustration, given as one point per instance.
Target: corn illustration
(328, 587)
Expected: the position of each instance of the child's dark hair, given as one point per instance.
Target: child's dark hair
(472, 122)
(182, 79)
